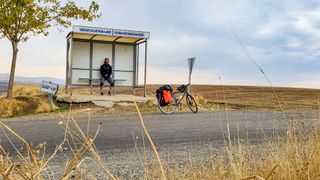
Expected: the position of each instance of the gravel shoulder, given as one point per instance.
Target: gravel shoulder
(131, 163)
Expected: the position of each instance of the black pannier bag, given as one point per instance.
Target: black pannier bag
(159, 93)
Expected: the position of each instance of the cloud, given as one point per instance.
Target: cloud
(282, 36)
(225, 14)
(294, 42)
(292, 20)
(179, 44)
(304, 24)
(270, 29)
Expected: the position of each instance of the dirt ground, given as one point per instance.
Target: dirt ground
(242, 97)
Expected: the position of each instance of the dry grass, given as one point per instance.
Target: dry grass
(294, 155)
(26, 90)
(260, 97)
(239, 97)
(27, 100)
(34, 164)
(22, 105)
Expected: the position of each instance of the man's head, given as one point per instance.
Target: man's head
(106, 61)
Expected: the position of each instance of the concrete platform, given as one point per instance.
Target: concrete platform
(103, 101)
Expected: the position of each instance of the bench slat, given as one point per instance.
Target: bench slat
(87, 79)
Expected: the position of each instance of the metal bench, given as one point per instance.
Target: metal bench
(98, 80)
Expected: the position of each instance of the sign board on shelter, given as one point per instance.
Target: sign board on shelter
(49, 87)
(92, 30)
(111, 32)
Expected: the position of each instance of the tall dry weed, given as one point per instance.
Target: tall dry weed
(34, 164)
(295, 155)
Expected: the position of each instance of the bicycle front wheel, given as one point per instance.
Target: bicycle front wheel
(192, 104)
(168, 109)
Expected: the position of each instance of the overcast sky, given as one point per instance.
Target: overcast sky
(283, 37)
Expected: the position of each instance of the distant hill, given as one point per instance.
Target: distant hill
(3, 88)
(4, 78)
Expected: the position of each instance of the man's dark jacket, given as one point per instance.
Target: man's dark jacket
(106, 70)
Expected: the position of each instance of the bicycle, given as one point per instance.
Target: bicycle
(183, 90)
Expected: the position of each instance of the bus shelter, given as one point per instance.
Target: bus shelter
(87, 47)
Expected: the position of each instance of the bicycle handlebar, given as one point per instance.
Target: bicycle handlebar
(183, 88)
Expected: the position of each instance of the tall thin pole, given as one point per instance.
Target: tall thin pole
(71, 65)
(145, 67)
(67, 66)
(113, 57)
(90, 66)
(138, 55)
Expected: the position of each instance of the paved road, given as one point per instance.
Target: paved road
(118, 131)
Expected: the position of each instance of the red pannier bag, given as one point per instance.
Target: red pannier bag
(167, 96)
(164, 95)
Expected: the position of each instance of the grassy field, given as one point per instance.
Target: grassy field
(242, 97)
(29, 100)
(258, 97)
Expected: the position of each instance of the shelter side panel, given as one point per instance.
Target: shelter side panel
(124, 59)
(100, 52)
(80, 63)
(80, 77)
(123, 78)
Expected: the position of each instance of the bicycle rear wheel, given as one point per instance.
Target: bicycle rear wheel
(168, 109)
(192, 104)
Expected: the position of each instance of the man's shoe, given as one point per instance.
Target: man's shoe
(101, 92)
(110, 92)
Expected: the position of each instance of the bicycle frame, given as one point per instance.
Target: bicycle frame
(178, 101)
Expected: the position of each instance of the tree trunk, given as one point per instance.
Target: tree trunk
(13, 69)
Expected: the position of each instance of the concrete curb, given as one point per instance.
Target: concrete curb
(103, 101)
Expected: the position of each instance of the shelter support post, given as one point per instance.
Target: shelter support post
(67, 66)
(113, 62)
(145, 68)
(134, 68)
(137, 70)
(90, 64)
(70, 64)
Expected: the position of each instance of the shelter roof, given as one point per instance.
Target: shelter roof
(108, 34)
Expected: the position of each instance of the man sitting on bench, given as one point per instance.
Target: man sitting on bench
(105, 72)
